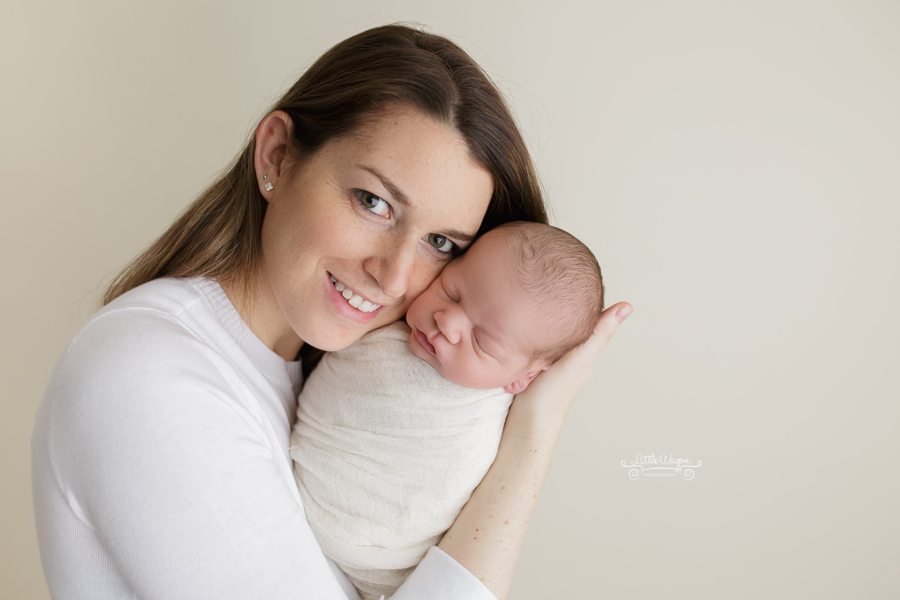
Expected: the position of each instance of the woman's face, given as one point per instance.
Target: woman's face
(353, 233)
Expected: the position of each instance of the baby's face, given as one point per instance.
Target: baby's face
(475, 326)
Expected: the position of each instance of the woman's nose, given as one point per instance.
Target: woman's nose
(452, 323)
(393, 269)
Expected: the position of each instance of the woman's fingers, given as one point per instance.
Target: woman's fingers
(549, 396)
(610, 319)
(585, 355)
(609, 322)
(571, 372)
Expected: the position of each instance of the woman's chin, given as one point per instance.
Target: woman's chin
(337, 336)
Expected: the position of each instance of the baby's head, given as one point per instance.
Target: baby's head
(521, 297)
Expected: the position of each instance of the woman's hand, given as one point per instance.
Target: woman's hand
(547, 400)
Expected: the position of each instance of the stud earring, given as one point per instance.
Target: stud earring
(269, 187)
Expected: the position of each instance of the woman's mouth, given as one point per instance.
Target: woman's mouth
(352, 298)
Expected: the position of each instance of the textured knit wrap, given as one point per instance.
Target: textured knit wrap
(386, 453)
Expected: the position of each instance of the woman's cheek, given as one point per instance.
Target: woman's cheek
(424, 277)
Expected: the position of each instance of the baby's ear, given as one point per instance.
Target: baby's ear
(521, 384)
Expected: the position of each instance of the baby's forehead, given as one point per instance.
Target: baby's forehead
(498, 247)
(499, 260)
(511, 301)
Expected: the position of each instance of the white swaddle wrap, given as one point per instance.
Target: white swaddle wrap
(386, 453)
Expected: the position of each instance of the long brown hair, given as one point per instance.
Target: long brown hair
(218, 236)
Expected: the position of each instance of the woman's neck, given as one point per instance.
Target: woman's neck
(259, 310)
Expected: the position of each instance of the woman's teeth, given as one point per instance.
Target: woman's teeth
(354, 299)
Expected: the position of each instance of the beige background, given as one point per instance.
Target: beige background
(733, 165)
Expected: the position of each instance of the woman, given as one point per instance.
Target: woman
(160, 466)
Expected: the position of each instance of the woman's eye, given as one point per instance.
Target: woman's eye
(441, 243)
(373, 203)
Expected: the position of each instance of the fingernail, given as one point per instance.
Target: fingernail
(623, 312)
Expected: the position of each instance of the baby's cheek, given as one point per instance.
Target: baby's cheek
(467, 372)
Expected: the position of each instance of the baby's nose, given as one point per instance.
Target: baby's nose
(450, 324)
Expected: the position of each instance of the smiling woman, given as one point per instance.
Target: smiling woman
(379, 211)
(160, 451)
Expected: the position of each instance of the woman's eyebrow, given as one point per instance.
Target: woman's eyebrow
(401, 197)
(396, 192)
(459, 235)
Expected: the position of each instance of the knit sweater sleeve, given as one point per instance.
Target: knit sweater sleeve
(153, 452)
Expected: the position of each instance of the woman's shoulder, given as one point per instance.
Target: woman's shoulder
(159, 335)
(171, 296)
(143, 404)
(159, 318)
(143, 356)
(196, 305)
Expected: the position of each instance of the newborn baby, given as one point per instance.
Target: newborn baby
(395, 432)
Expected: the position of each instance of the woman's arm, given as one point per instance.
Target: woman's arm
(487, 536)
(156, 478)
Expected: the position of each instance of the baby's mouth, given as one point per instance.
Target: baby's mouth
(352, 298)
(423, 341)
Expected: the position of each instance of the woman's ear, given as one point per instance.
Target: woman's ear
(521, 384)
(272, 139)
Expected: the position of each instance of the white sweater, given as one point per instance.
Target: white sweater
(160, 464)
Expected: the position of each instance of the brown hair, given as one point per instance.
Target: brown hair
(218, 235)
(560, 273)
